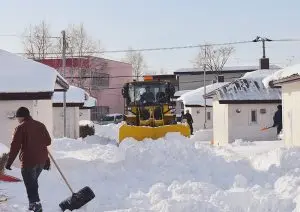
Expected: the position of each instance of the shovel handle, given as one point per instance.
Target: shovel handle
(66, 181)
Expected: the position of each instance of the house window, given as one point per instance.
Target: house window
(100, 80)
(208, 116)
(253, 116)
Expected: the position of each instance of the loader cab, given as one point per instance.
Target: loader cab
(148, 93)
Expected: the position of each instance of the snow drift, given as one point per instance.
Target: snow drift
(170, 174)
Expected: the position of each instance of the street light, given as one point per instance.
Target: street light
(263, 40)
(264, 62)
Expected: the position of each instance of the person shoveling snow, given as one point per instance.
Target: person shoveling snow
(31, 139)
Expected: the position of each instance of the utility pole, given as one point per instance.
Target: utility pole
(204, 79)
(64, 47)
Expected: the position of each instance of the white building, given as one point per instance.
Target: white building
(75, 98)
(244, 107)
(289, 81)
(85, 110)
(24, 82)
(195, 102)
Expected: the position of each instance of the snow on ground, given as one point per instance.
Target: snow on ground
(170, 174)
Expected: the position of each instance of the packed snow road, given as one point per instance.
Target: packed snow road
(171, 174)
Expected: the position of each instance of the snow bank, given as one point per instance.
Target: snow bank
(110, 131)
(203, 135)
(172, 174)
(19, 75)
(73, 95)
(283, 73)
(195, 97)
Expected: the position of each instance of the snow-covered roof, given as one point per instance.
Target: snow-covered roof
(73, 95)
(90, 102)
(259, 74)
(249, 87)
(179, 93)
(281, 74)
(195, 97)
(22, 75)
(227, 68)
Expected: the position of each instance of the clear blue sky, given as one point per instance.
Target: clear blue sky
(119, 24)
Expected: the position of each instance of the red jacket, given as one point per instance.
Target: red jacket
(31, 139)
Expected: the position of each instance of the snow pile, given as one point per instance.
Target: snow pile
(110, 131)
(172, 174)
(27, 75)
(203, 135)
(283, 73)
(73, 95)
(195, 97)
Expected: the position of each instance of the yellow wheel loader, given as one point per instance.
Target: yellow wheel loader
(149, 111)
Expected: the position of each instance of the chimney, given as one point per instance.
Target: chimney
(221, 78)
(264, 63)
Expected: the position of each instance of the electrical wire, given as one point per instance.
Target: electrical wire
(168, 48)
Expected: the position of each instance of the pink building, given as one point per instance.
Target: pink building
(101, 78)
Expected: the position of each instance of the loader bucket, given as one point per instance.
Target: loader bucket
(139, 133)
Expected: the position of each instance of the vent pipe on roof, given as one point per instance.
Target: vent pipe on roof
(221, 78)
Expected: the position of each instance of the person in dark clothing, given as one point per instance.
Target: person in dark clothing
(277, 118)
(189, 120)
(148, 96)
(182, 116)
(31, 139)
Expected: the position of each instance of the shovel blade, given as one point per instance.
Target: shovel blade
(77, 200)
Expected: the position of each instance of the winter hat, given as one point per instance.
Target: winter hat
(22, 112)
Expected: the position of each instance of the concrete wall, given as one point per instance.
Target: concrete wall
(198, 114)
(84, 114)
(239, 125)
(291, 113)
(220, 123)
(72, 122)
(191, 82)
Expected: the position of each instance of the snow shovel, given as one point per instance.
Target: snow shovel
(77, 200)
(266, 128)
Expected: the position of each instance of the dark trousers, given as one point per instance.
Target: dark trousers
(191, 127)
(30, 178)
(279, 128)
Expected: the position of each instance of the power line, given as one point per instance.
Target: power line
(169, 48)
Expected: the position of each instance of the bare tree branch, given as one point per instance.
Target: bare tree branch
(136, 59)
(213, 59)
(37, 41)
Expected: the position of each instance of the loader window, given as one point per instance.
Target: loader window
(147, 93)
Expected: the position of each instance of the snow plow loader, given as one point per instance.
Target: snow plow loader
(149, 111)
